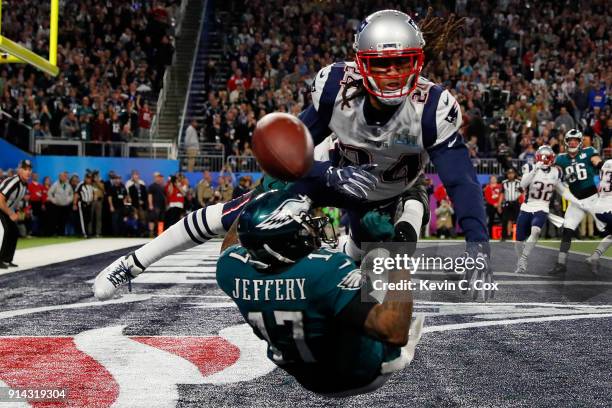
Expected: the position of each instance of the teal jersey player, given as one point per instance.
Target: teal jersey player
(305, 301)
(579, 171)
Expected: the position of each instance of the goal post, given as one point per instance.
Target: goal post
(13, 52)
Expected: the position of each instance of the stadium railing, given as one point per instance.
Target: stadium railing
(158, 149)
(210, 156)
(243, 163)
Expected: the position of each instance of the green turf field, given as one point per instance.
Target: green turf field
(579, 246)
(23, 243)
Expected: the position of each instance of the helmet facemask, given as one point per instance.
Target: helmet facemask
(546, 156)
(573, 135)
(395, 69)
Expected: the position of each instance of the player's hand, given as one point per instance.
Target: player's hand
(14, 217)
(352, 181)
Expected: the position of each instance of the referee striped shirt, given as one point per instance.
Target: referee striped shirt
(85, 192)
(511, 190)
(13, 190)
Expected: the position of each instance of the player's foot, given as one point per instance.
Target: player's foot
(594, 263)
(521, 266)
(558, 269)
(12, 265)
(414, 336)
(117, 274)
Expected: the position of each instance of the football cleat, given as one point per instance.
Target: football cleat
(521, 266)
(117, 274)
(594, 263)
(558, 269)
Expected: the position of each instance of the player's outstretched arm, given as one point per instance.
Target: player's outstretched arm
(456, 172)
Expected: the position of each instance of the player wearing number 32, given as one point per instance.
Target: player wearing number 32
(306, 303)
(579, 169)
(539, 181)
(384, 113)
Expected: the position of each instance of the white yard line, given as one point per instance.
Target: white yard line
(49, 254)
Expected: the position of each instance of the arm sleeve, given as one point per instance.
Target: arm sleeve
(325, 89)
(527, 176)
(453, 164)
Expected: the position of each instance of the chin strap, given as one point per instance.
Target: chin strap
(277, 255)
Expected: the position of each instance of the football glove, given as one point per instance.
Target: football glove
(352, 181)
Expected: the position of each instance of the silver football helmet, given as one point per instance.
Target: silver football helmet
(573, 134)
(389, 55)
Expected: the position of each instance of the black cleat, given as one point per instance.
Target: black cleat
(558, 269)
(12, 265)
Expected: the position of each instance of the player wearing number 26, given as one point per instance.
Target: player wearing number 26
(305, 301)
(579, 165)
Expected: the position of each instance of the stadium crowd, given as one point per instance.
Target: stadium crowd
(524, 72)
(111, 55)
(62, 206)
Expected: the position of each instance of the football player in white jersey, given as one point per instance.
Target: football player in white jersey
(603, 212)
(384, 113)
(388, 120)
(539, 181)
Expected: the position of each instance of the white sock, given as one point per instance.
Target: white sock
(518, 248)
(602, 247)
(531, 242)
(413, 215)
(192, 230)
(562, 257)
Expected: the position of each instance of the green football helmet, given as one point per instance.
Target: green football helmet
(276, 228)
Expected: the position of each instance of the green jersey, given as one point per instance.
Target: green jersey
(579, 172)
(295, 311)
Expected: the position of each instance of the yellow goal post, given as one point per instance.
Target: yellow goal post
(12, 52)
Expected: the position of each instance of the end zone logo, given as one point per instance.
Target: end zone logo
(102, 367)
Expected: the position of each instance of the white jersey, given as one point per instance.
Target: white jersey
(429, 116)
(539, 185)
(604, 199)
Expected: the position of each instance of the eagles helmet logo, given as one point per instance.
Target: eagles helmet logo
(285, 212)
(352, 281)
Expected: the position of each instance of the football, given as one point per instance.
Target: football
(283, 146)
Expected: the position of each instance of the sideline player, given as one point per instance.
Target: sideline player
(305, 302)
(579, 169)
(603, 212)
(539, 181)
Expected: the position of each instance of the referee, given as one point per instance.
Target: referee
(82, 202)
(12, 190)
(510, 202)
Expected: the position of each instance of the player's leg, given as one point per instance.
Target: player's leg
(412, 214)
(593, 260)
(523, 229)
(573, 217)
(192, 230)
(537, 223)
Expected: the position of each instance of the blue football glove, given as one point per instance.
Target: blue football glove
(352, 181)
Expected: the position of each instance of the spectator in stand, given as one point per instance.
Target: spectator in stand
(70, 126)
(60, 197)
(137, 191)
(492, 195)
(157, 203)
(204, 190)
(100, 132)
(191, 144)
(145, 118)
(175, 197)
(118, 200)
(244, 185)
(564, 122)
(35, 190)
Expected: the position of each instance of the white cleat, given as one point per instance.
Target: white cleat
(117, 274)
(521, 266)
(414, 336)
(594, 262)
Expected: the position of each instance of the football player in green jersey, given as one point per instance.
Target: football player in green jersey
(305, 301)
(579, 166)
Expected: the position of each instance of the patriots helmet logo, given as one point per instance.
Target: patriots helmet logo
(453, 114)
(285, 213)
